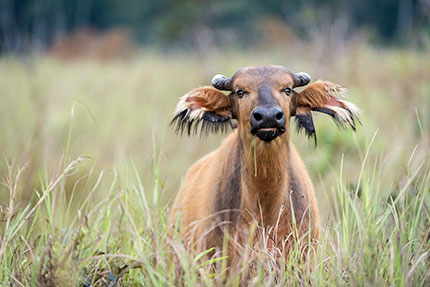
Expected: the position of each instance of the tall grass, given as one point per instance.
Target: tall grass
(90, 168)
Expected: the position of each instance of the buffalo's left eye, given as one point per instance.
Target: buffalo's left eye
(286, 90)
(240, 93)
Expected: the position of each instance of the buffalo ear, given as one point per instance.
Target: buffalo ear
(323, 96)
(205, 108)
(305, 123)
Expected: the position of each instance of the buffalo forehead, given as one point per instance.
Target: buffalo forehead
(254, 76)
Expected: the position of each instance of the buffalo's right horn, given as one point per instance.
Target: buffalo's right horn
(221, 82)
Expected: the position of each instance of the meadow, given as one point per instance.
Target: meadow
(90, 167)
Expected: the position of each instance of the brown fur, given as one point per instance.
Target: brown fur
(316, 95)
(210, 99)
(247, 180)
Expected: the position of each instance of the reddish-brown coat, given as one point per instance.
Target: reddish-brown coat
(247, 180)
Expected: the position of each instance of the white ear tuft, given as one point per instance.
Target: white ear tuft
(335, 90)
(348, 114)
(186, 106)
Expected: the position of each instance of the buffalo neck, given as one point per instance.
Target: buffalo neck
(264, 174)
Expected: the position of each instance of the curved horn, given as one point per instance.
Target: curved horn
(221, 82)
(301, 79)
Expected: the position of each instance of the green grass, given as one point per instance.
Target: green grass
(90, 167)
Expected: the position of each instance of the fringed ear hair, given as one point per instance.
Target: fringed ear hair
(206, 108)
(343, 112)
(322, 96)
(305, 122)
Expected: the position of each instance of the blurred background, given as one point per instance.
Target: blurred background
(101, 78)
(40, 25)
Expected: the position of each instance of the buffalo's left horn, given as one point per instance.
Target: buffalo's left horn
(301, 79)
(221, 82)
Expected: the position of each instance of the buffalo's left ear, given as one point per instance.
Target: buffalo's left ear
(323, 96)
(205, 107)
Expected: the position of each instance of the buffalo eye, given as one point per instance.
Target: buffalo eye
(286, 90)
(240, 93)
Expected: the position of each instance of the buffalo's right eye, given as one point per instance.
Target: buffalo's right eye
(240, 93)
(287, 91)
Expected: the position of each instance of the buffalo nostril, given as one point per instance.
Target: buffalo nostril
(279, 116)
(258, 117)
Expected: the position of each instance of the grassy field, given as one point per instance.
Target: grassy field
(90, 167)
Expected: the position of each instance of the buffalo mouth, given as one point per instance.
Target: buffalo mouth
(268, 134)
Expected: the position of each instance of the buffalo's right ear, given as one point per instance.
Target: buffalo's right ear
(205, 107)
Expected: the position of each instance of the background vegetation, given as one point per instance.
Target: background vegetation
(90, 165)
(29, 25)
